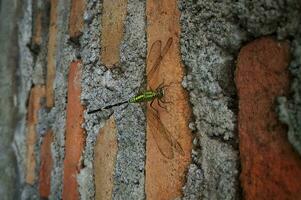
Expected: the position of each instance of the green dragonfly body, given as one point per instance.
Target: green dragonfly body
(146, 96)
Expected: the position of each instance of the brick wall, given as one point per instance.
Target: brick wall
(221, 131)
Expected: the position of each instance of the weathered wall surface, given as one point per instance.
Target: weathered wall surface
(8, 66)
(216, 139)
(212, 34)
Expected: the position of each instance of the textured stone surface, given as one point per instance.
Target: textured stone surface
(104, 161)
(165, 174)
(209, 38)
(211, 35)
(271, 169)
(103, 87)
(75, 136)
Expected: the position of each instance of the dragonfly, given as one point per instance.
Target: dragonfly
(165, 141)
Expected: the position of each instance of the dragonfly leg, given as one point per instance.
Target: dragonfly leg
(151, 105)
(163, 101)
(170, 84)
(164, 107)
(160, 86)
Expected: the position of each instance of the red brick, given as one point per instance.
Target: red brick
(113, 16)
(104, 161)
(46, 165)
(271, 169)
(165, 177)
(51, 55)
(34, 105)
(76, 21)
(75, 136)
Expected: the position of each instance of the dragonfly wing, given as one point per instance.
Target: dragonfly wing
(165, 141)
(166, 47)
(177, 146)
(154, 58)
(160, 134)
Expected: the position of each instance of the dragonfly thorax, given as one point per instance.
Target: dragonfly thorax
(148, 95)
(159, 93)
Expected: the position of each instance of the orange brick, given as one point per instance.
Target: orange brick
(112, 30)
(104, 161)
(75, 136)
(37, 29)
(46, 165)
(36, 94)
(76, 21)
(51, 55)
(271, 169)
(165, 177)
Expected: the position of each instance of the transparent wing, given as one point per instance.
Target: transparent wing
(155, 56)
(166, 47)
(164, 140)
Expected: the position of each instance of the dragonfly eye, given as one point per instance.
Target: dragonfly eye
(162, 92)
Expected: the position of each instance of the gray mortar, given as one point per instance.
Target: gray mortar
(212, 33)
(208, 38)
(89, 52)
(290, 108)
(265, 17)
(101, 87)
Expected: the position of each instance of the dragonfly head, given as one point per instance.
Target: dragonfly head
(161, 89)
(160, 92)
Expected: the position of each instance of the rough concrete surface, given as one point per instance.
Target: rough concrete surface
(212, 33)
(102, 87)
(205, 39)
